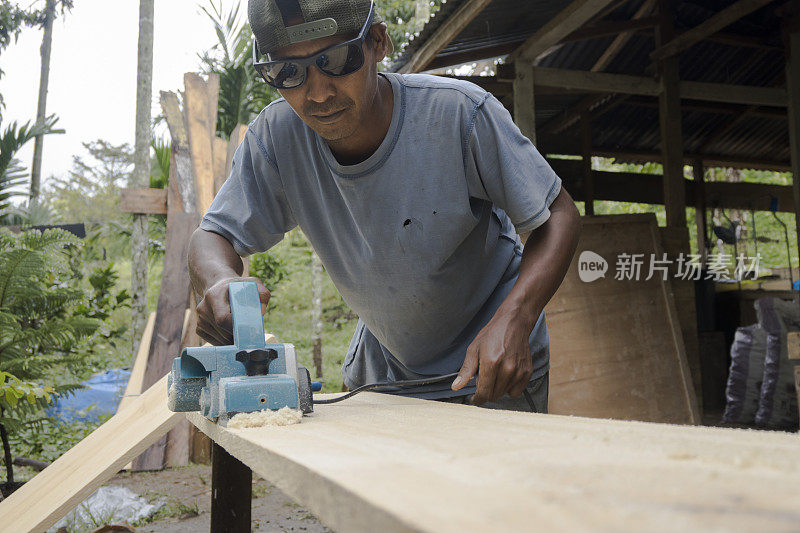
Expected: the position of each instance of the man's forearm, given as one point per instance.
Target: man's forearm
(211, 259)
(546, 257)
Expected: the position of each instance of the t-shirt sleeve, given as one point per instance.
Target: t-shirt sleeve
(505, 168)
(250, 209)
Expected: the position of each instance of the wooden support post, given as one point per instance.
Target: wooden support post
(792, 40)
(524, 101)
(231, 492)
(670, 120)
(700, 207)
(588, 176)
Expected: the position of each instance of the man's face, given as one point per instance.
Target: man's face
(334, 107)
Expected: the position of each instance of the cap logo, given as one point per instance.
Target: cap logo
(312, 30)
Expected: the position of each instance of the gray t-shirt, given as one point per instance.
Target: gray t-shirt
(420, 239)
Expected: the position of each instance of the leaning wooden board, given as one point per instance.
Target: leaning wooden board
(56, 490)
(385, 463)
(616, 347)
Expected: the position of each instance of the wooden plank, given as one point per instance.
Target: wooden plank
(196, 102)
(183, 193)
(793, 344)
(60, 487)
(385, 463)
(144, 201)
(616, 344)
(134, 387)
(461, 17)
(237, 137)
(716, 22)
(220, 148)
(572, 17)
(173, 299)
(525, 101)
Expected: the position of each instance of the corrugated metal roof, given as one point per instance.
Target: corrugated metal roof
(635, 127)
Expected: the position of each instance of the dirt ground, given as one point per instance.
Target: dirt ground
(187, 493)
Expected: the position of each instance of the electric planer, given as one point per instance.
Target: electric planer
(248, 376)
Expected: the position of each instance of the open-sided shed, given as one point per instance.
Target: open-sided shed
(682, 82)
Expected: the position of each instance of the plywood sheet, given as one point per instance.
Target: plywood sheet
(60, 487)
(385, 463)
(616, 347)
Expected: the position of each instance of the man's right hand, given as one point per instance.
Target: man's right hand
(214, 320)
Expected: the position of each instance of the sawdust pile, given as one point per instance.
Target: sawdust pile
(286, 416)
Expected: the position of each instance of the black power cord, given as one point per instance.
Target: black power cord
(408, 383)
(389, 384)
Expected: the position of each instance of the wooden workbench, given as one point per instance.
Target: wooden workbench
(384, 463)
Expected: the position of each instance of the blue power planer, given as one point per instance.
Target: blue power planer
(248, 376)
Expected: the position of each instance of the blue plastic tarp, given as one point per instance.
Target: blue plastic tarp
(101, 396)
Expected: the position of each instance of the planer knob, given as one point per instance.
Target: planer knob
(256, 361)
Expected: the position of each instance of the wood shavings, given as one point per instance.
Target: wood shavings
(285, 416)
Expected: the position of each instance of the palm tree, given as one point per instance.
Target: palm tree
(242, 94)
(12, 173)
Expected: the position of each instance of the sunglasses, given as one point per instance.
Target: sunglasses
(338, 60)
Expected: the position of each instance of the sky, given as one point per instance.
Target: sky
(93, 71)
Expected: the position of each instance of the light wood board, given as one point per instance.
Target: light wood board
(385, 463)
(60, 487)
(616, 348)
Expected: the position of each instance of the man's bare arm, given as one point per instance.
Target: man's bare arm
(500, 353)
(213, 264)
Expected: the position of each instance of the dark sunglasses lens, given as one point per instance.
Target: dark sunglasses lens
(341, 60)
(284, 74)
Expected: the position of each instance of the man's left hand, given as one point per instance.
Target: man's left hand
(501, 357)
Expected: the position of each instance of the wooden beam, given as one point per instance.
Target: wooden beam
(524, 101)
(669, 118)
(621, 40)
(714, 107)
(144, 201)
(560, 472)
(700, 207)
(649, 189)
(63, 485)
(792, 39)
(586, 152)
(729, 93)
(602, 82)
(449, 29)
(718, 21)
(559, 123)
(565, 22)
(231, 493)
(611, 27)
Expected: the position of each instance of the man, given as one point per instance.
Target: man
(412, 189)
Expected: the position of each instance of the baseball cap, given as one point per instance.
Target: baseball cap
(279, 23)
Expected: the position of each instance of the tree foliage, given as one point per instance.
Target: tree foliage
(12, 173)
(40, 324)
(242, 94)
